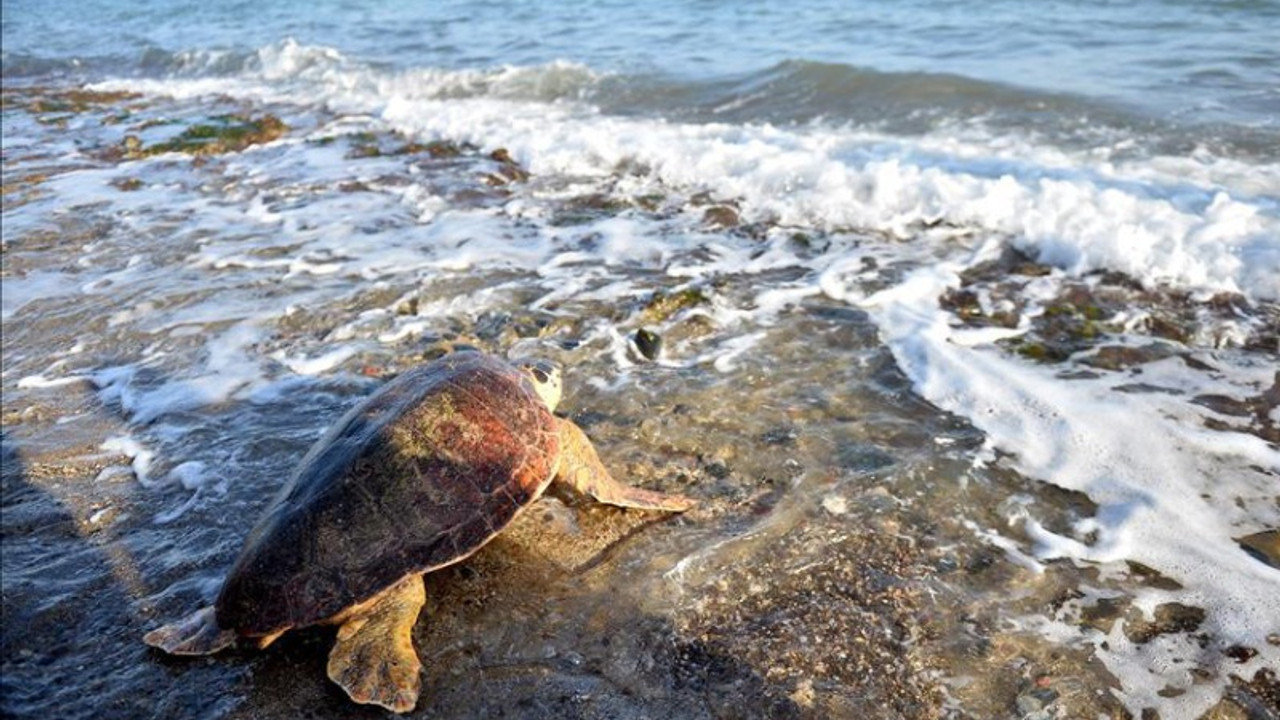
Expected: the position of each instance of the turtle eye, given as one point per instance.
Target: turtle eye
(539, 374)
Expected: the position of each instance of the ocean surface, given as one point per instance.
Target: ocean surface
(999, 280)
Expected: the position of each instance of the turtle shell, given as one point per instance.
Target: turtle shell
(416, 477)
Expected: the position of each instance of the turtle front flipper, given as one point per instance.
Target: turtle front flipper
(581, 468)
(196, 634)
(373, 659)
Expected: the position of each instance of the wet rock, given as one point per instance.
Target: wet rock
(509, 170)
(1035, 702)
(1044, 352)
(393, 144)
(43, 100)
(717, 470)
(1152, 577)
(408, 307)
(364, 145)
(1011, 262)
(1103, 614)
(784, 436)
(1169, 618)
(589, 208)
(1264, 546)
(222, 134)
(1166, 327)
(504, 329)
(650, 202)
(1257, 698)
(353, 186)
(648, 343)
(127, 184)
(1259, 409)
(863, 458)
(721, 217)
(963, 303)
(1225, 405)
(700, 199)
(1119, 357)
(1240, 653)
(662, 305)
(437, 149)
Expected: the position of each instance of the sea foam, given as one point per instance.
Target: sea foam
(1198, 223)
(1156, 474)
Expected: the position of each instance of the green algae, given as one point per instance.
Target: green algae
(222, 134)
(663, 305)
(41, 100)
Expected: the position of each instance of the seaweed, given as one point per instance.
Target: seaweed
(222, 134)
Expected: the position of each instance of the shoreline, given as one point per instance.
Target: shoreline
(829, 572)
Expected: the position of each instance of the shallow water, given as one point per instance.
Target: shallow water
(973, 375)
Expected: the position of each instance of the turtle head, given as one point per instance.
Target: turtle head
(545, 376)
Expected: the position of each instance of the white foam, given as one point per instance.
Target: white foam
(229, 367)
(1160, 479)
(1079, 218)
(140, 457)
(1202, 224)
(168, 516)
(40, 381)
(191, 475)
(319, 364)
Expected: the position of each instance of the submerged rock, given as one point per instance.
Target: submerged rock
(1119, 357)
(509, 171)
(40, 100)
(663, 305)
(1264, 546)
(648, 343)
(721, 217)
(222, 134)
(1168, 618)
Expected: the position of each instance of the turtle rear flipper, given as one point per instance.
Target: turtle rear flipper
(373, 659)
(196, 634)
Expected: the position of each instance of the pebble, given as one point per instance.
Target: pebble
(835, 504)
(648, 343)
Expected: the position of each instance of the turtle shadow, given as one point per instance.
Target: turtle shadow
(512, 632)
(70, 637)
(94, 555)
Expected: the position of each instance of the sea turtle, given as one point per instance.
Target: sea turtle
(418, 476)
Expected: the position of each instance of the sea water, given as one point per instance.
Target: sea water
(1059, 222)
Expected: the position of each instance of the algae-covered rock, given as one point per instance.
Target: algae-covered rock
(1119, 357)
(222, 134)
(663, 305)
(508, 171)
(40, 100)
